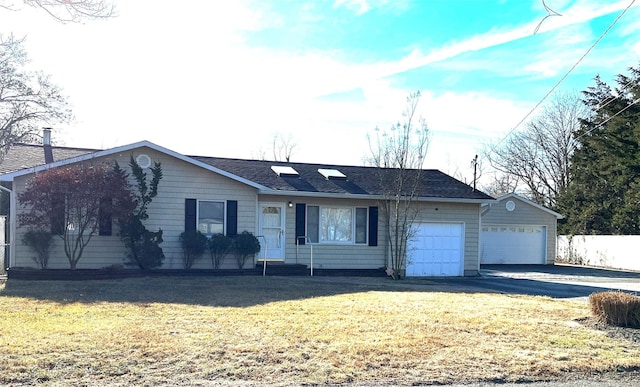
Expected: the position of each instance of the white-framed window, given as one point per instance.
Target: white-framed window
(337, 224)
(210, 217)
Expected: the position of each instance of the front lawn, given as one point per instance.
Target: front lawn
(290, 331)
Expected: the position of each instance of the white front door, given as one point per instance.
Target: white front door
(271, 230)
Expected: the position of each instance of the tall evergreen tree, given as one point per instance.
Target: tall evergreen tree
(603, 196)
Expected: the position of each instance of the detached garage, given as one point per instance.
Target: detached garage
(516, 230)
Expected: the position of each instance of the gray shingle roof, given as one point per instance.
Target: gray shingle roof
(359, 180)
(21, 156)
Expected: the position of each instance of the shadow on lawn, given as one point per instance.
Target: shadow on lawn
(230, 291)
(246, 291)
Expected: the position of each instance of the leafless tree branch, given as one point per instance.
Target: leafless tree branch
(538, 157)
(28, 100)
(399, 155)
(67, 11)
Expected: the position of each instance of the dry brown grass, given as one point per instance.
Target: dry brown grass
(289, 331)
(616, 308)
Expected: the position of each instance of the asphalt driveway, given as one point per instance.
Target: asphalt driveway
(556, 281)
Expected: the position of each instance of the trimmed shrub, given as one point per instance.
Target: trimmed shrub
(219, 246)
(616, 308)
(245, 244)
(194, 243)
(143, 246)
(41, 242)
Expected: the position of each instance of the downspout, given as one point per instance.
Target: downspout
(480, 213)
(483, 210)
(12, 231)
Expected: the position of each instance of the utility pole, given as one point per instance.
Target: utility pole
(474, 162)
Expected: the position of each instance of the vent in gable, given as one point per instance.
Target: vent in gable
(332, 174)
(283, 171)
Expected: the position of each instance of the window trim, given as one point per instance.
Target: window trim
(354, 210)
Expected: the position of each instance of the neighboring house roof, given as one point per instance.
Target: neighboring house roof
(306, 181)
(21, 156)
(530, 202)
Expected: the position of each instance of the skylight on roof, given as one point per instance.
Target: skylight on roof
(282, 170)
(331, 174)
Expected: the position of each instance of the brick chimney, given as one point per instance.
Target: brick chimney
(46, 145)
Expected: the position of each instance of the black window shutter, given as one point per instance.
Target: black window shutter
(58, 218)
(105, 219)
(301, 220)
(373, 226)
(190, 214)
(232, 218)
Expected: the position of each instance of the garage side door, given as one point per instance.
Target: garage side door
(513, 244)
(436, 250)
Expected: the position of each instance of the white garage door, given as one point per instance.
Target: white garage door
(513, 244)
(436, 250)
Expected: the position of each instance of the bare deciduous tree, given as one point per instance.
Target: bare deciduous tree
(501, 184)
(28, 100)
(539, 155)
(283, 147)
(66, 11)
(399, 154)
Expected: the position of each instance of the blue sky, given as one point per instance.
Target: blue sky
(220, 78)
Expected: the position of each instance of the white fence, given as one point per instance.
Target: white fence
(614, 251)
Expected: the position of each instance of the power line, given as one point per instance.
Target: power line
(567, 74)
(607, 120)
(614, 97)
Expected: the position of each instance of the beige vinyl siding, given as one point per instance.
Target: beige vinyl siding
(180, 180)
(524, 214)
(329, 255)
(459, 213)
(355, 256)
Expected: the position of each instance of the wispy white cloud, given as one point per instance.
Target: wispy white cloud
(360, 7)
(574, 16)
(186, 79)
(324, 74)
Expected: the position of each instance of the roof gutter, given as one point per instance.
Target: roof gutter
(369, 197)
